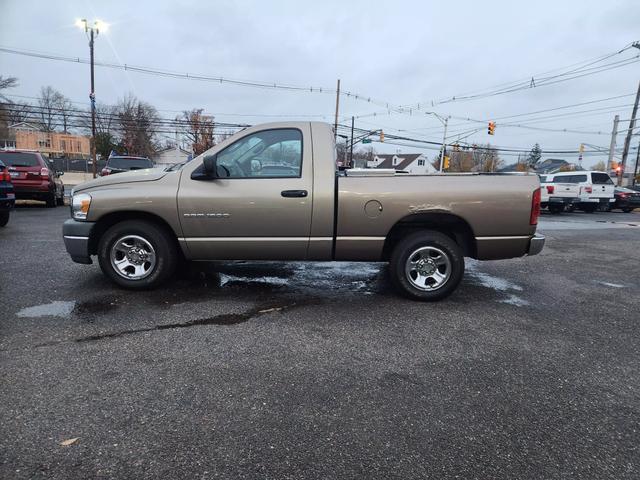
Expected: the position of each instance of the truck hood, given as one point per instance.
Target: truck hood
(146, 175)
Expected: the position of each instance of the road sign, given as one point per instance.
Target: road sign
(366, 140)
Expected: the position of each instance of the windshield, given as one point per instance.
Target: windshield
(129, 163)
(20, 159)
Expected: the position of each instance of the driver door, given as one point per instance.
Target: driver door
(262, 209)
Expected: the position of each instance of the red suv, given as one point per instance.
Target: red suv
(32, 178)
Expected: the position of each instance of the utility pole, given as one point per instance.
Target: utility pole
(627, 141)
(351, 149)
(612, 145)
(635, 168)
(444, 143)
(335, 126)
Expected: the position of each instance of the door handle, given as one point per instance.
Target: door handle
(294, 193)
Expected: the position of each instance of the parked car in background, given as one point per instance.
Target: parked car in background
(627, 199)
(558, 195)
(595, 188)
(118, 164)
(33, 178)
(7, 195)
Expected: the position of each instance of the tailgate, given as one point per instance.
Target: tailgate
(25, 176)
(566, 190)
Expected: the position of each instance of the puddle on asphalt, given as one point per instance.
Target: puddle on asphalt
(53, 309)
(315, 277)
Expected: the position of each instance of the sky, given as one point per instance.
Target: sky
(400, 53)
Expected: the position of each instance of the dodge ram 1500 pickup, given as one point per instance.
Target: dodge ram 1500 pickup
(273, 192)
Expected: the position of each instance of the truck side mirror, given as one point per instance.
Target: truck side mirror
(209, 166)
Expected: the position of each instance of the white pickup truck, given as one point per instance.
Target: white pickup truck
(556, 194)
(595, 189)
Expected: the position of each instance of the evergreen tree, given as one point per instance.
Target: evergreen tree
(534, 155)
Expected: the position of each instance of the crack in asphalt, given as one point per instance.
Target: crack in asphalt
(222, 319)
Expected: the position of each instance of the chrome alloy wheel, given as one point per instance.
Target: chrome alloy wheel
(428, 268)
(133, 257)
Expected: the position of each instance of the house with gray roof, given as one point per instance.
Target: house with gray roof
(416, 163)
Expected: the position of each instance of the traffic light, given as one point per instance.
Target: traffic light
(491, 129)
(445, 165)
(381, 136)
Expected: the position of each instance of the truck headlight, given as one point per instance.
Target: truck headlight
(80, 204)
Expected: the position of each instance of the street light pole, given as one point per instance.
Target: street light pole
(92, 30)
(92, 97)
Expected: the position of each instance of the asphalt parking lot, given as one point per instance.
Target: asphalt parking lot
(302, 370)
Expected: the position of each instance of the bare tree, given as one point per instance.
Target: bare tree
(137, 123)
(106, 118)
(600, 166)
(65, 108)
(486, 158)
(18, 112)
(48, 102)
(199, 130)
(7, 82)
(6, 108)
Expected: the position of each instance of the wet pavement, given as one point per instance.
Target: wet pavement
(319, 370)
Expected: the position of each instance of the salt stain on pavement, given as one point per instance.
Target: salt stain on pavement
(54, 309)
(613, 285)
(496, 283)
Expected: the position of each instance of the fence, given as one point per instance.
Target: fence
(75, 164)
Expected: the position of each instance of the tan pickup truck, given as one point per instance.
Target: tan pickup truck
(273, 192)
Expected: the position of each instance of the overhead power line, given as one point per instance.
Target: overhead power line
(201, 77)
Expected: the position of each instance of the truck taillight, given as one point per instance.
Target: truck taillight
(5, 176)
(588, 189)
(44, 172)
(105, 171)
(535, 207)
(550, 189)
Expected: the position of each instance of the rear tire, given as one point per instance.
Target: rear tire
(556, 209)
(589, 207)
(4, 218)
(125, 242)
(627, 210)
(426, 266)
(51, 200)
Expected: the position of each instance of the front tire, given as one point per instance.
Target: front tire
(137, 254)
(426, 266)
(51, 200)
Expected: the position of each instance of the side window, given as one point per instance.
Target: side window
(601, 179)
(268, 154)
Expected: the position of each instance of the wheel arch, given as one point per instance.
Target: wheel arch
(450, 224)
(107, 221)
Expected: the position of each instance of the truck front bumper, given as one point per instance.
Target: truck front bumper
(76, 240)
(536, 244)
